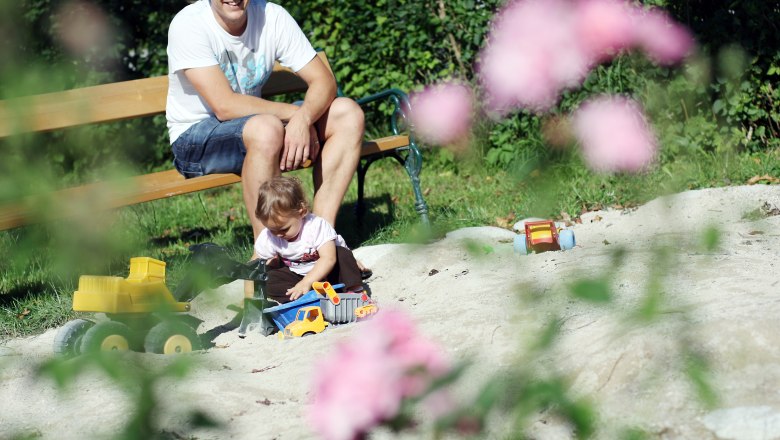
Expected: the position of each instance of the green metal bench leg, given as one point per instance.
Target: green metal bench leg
(413, 167)
(412, 163)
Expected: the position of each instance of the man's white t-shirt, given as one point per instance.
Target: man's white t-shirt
(195, 39)
(300, 254)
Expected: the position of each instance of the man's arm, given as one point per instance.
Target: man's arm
(321, 90)
(212, 85)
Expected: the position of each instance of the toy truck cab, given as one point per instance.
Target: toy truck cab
(542, 236)
(308, 321)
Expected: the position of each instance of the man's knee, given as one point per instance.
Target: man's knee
(347, 114)
(264, 134)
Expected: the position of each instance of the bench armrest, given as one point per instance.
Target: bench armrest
(401, 106)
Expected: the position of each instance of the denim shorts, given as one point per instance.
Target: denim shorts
(209, 147)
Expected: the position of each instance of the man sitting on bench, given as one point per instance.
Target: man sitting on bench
(220, 53)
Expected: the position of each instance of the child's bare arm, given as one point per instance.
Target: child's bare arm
(321, 269)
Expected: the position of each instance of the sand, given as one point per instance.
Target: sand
(484, 303)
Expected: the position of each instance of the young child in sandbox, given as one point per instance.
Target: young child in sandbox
(299, 247)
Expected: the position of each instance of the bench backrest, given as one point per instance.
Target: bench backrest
(111, 102)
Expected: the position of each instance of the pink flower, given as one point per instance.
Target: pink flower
(442, 114)
(355, 389)
(663, 40)
(439, 403)
(537, 49)
(82, 27)
(531, 56)
(614, 135)
(605, 27)
(363, 383)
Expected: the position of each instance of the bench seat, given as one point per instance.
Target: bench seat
(147, 97)
(153, 186)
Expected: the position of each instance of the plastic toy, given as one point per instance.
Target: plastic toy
(143, 315)
(335, 308)
(308, 321)
(284, 314)
(366, 311)
(325, 289)
(344, 312)
(543, 236)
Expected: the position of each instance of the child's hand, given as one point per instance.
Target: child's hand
(297, 291)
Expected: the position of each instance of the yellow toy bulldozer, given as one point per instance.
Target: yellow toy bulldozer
(142, 312)
(143, 315)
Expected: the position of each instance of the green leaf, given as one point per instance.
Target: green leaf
(549, 333)
(698, 372)
(592, 290)
(710, 238)
(717, 106)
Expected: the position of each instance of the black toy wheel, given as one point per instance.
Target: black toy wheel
(68, 339)
(171, 338)
(106, 336)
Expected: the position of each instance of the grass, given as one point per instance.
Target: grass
(40, 265)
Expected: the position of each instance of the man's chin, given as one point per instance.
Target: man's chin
(238, 5)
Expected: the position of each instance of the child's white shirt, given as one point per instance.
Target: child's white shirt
(301, 254)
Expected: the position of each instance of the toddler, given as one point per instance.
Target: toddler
(300, 248)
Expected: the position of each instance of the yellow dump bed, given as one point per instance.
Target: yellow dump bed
(143, 291)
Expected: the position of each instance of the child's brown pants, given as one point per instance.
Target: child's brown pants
(345, 271)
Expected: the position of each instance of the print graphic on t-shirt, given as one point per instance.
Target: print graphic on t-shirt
(307, 257)
(312, 255)
(246, 76)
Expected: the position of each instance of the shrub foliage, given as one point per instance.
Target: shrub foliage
(729, 97)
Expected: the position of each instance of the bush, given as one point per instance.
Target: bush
(406, 44)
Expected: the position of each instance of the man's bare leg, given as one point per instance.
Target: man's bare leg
(341, 127)
(263, 137)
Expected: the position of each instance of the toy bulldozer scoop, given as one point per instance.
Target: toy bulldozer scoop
(211, 267)
(143, 315)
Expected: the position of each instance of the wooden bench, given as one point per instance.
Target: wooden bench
(147, 97)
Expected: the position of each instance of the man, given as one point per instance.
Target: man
(220, 53)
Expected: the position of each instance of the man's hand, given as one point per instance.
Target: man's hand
(314, 147)
(300, 143)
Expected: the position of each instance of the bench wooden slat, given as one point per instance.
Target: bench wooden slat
(111, 102)
(102, 103)
(148, 187)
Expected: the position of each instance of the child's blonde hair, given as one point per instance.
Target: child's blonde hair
(280, 197)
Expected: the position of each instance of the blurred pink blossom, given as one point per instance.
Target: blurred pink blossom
(605, 27)
(536, 49)
(663, 40)
(439, 403)
(362, 383)
(614, 135)
(442, 114)
(531, 56)
(82, 27)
